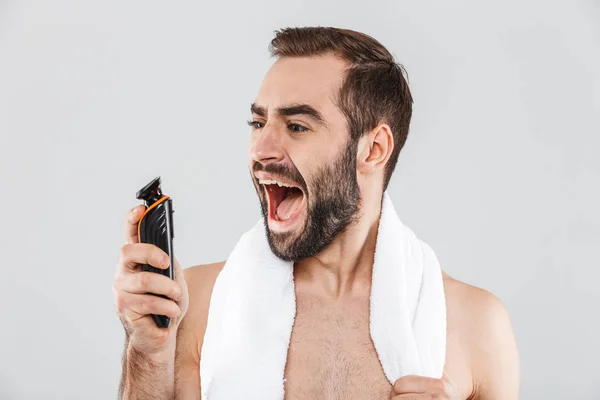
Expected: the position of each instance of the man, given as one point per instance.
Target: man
(329, 120)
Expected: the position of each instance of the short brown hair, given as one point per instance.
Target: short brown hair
(374, 89)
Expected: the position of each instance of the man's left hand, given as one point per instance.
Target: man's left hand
(412, 387)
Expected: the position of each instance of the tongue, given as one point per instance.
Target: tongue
(289, 204)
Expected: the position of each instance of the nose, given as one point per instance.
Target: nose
(265, 146)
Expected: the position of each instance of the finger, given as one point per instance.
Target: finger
(132, 255)
(178, 272)
(131, 224)
(137, 306)
(412, 384)
(179, 277)
(149, 282)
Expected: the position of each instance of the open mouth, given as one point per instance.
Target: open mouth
(285, 200)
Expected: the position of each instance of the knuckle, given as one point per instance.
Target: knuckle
(121, 305)
(162, 335)
(176, 310)
(154, 304)
(144, 303)
(176, 292)
(398, 385)
(143, 280)
(130, 217)
(124, 251)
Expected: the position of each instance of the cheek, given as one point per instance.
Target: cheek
(310, 159)
(303, 162)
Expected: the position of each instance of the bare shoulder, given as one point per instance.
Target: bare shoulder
(190, 334)
(476, 315)
(477, 304)
(200, 280)
(201, 277)
(480, 322)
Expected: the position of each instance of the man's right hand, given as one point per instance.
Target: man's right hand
(134, 304)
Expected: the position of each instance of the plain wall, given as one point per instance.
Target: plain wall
(500, 174)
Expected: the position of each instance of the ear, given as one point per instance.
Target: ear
(375, 149)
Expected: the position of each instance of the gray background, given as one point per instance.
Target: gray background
(500, 173)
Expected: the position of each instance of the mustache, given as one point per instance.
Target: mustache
(282, 170)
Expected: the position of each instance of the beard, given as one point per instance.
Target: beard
(333, 203)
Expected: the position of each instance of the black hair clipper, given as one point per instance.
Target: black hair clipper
(156, 227)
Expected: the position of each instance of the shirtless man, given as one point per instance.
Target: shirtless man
(330, 118)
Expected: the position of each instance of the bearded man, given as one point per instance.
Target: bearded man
(321, 302)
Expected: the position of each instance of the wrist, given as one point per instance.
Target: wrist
(164, 355)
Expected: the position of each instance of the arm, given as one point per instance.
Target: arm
(147, 377)
(200, 281)
(496, 358)
(149, 355)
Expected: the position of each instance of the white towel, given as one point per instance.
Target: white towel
(253, 305)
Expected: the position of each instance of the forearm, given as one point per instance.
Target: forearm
(148, 377)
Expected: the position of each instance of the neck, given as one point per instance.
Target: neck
(344, 268)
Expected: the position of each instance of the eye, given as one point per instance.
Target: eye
(297, 128)
(254, 124)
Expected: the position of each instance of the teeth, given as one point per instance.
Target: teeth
(273, 182)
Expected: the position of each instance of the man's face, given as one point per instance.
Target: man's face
(302, 165)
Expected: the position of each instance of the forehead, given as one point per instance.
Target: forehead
(302, 80)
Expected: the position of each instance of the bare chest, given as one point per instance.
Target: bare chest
(331, 354)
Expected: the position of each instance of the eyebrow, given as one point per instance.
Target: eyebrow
(293, 109)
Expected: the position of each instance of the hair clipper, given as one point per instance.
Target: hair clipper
(156, 227)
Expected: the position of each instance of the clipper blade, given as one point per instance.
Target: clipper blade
(151, 192)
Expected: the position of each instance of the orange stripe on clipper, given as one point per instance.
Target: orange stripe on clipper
(157, 202)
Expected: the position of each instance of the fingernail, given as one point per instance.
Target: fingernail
(166, 261)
